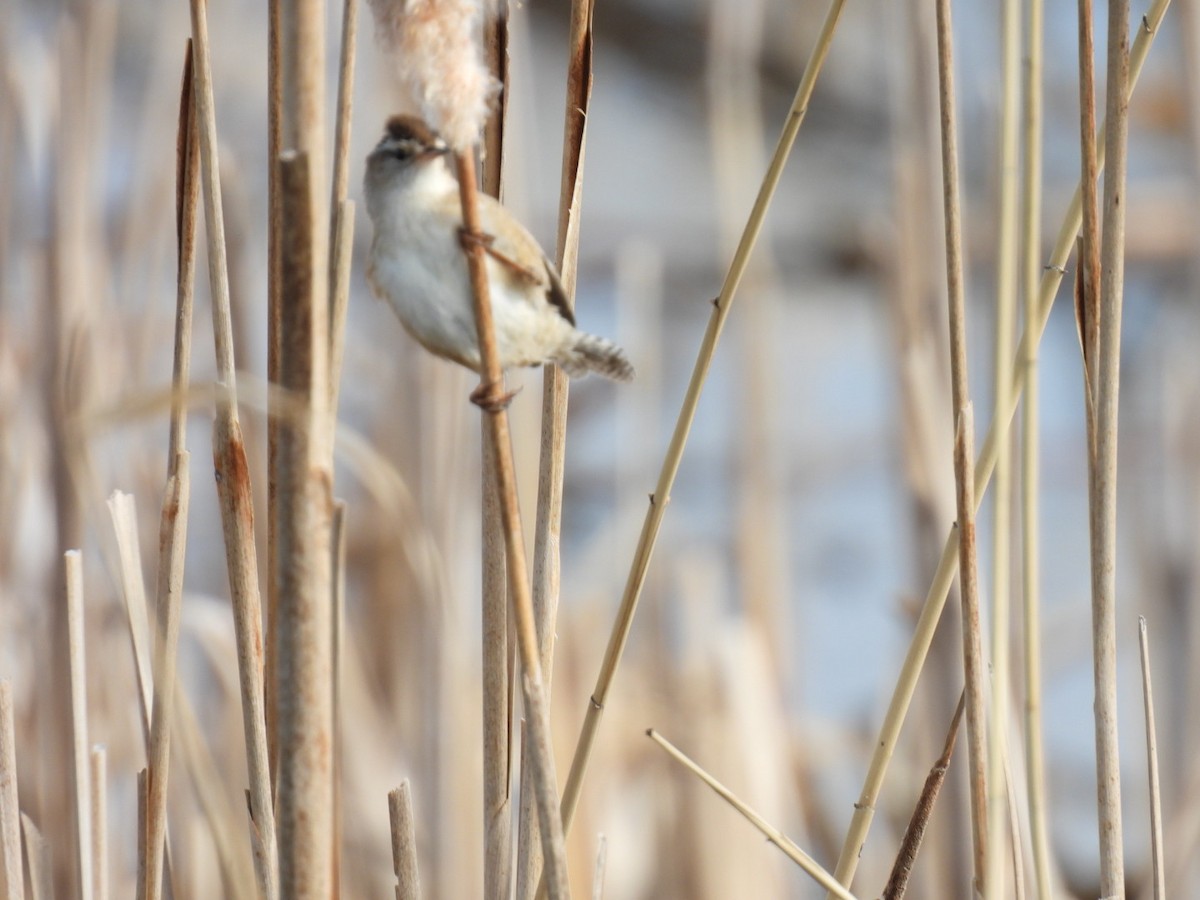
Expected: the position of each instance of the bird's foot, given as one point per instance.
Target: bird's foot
(491, 397)
(469, 239)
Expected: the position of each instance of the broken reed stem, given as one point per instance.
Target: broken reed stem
(10, 809)
(490, 394)
(974, 669)
(123, 512)
(37, 857)
(232, 470)
(1007, 280)
(1031, 267)
(303, 631)
(547, 544)
(773, 835)
(404, 843)
(77, 674)
(601, 866)
(497, 698)
(939, 588)
(1103, 495)
(661, 497)
(98, 765)
(1156, 827)
(910, 846)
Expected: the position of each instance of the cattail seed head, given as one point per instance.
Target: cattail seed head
(435, 47)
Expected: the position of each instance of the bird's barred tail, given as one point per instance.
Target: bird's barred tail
(595, 354)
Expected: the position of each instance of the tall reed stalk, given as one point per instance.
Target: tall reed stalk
(666, 479)
(547, 544)
(233, 475)
(1103, 484)
(1031, 268)
(939, 588)
(1007, 281)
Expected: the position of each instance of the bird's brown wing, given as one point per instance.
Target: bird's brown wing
(512, 246)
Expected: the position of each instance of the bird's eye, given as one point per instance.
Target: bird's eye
(404, 150)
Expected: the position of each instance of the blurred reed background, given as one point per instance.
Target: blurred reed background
(810, 507)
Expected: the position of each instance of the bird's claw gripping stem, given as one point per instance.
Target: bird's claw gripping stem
(491, 397)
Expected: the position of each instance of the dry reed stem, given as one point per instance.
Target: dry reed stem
(910, 846)
(1156, 825)
(974, 668)
(77, 675)
(174, 516)
(547, 545)
(340, 261)
(143, 803)
(304, 673)
(187, 197)
(98, 766)
(232, 471)
(661, 497)
(10, 808)
(274, 230)
(931, 610)
(1088, 305)
(37, 859)
(123, 512)
(773, 835)
(601, 866)
(172, 548)
(337, 562)
(497, 698)
(1103, 488)
(964, 436)
(404, 842)
(341, 226)
(960, 394)
(1031, 208)
(490, 398)
(1007, 280)
(220, 817)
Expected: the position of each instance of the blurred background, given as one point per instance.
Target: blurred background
(813, 499)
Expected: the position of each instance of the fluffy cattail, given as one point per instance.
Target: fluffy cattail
(434, 45)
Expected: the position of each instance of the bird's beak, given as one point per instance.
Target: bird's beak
(437, 148)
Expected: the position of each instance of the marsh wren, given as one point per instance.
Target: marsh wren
(417, 264)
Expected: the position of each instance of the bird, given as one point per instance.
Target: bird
(418, 266)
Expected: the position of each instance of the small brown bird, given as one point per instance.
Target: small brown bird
(417, 264)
